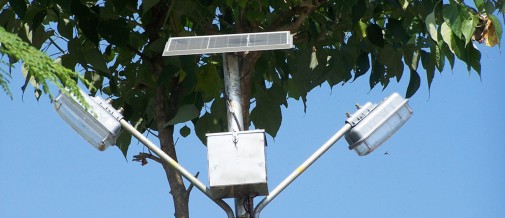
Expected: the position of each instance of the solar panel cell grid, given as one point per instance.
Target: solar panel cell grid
(228, 43)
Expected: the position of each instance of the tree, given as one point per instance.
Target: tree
(117, 46)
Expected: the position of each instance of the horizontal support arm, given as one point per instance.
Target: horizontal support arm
(299, 170)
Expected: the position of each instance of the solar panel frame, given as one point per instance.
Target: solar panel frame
(228, 43)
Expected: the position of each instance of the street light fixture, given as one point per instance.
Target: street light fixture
(373, 124)
(99, 124)
(365, 130)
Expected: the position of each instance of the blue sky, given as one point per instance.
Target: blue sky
(447, 161)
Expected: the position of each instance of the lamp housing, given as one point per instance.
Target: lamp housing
(373, 124)
(99, 124)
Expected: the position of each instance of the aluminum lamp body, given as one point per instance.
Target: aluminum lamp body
(374, 124)
(99, 125)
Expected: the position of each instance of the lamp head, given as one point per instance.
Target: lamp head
(373, 124)
(99, 125)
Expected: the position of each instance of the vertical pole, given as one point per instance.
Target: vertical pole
(233, 93)
(234, 111)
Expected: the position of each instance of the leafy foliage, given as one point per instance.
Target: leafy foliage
(335, 41)
(38, 67)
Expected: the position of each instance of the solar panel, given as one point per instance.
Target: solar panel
(228, 43)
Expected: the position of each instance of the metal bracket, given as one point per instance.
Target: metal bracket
(106, 104)
(359, 115)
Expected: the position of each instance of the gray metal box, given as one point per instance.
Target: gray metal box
(237, 165)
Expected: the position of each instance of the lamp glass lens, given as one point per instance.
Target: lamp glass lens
(82, 122)
(383, 131)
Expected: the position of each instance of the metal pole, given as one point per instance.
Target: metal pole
(171, 162)
(234, 111)
(233, 92)
(298, 171)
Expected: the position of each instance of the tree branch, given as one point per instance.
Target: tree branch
(141, 157)
(302, 12)
(188, 191)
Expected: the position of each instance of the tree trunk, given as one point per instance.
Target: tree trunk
(163, 114)
(165, 134)
(247, 64)
(165, 108)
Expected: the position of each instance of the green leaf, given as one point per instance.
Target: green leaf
(428, 61)
(374, 35)
(455, 44)
(267, 113)
(67, 61)
(358, 10)
(185, 131)
(448, 54)
(94, 57)
(148, 4)
(87, 20)
(5, 80)
(184, 113)
(431, 26)
(65, 28)
(360, 29)
(208, 82)
(95, 79)
(268, 118)
(452, 18)
(479, 4)
(19, 7)
(468, 28)
(474, 58)
(439, 57)
(404, 3)
(38, 18)
(395, 33)
(447, 35)
(340, 71)
(28, 78)
(206, 124)
(411, 56)
(489, 7)
(392, 58)
(362, 65)
(378, 72)
(414, 84)
(123, 142)
(115, 31)
(218, 110)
